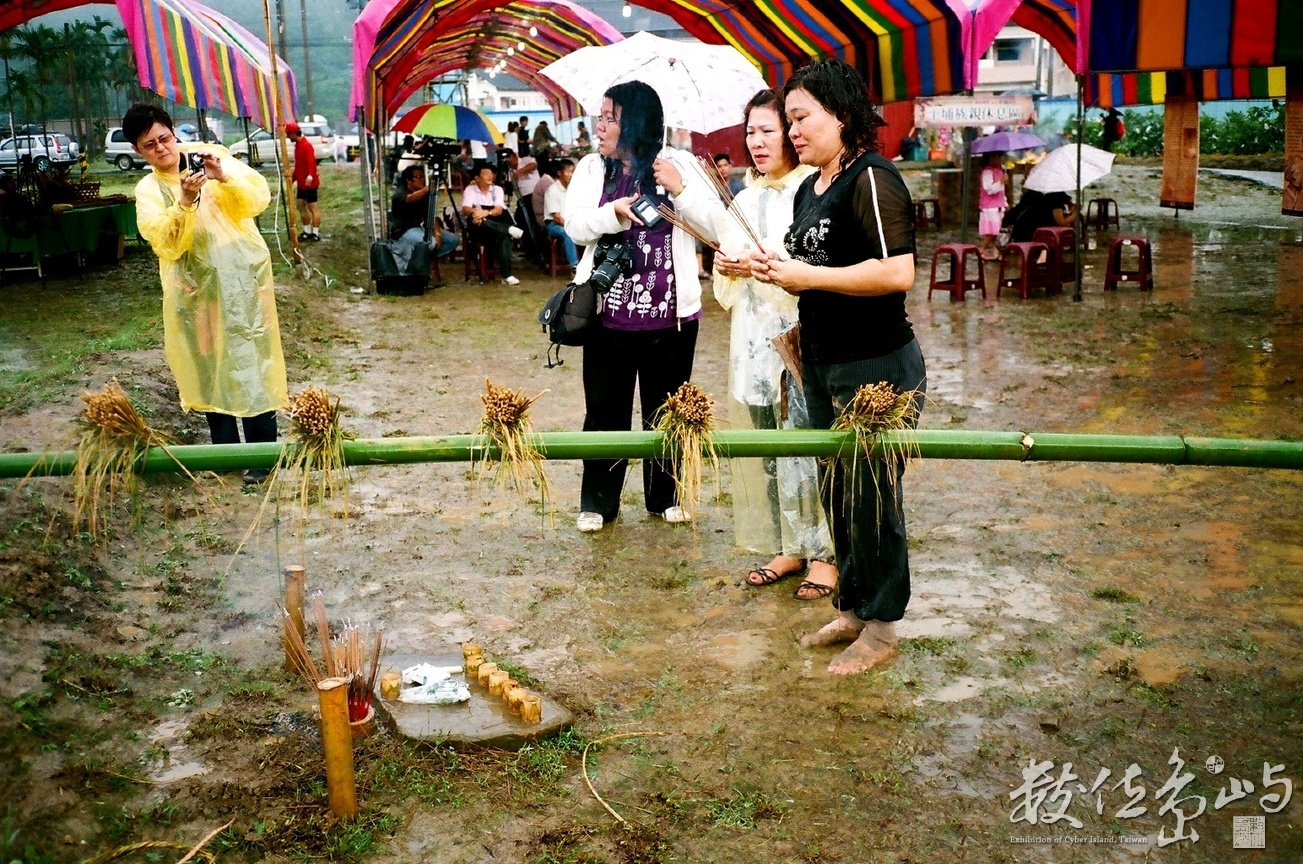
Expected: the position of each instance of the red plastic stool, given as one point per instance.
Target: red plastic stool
(1031, 275)
(1063, 248)
(958, 281)
(927, 210)
(1102, 212)
(1144, 272)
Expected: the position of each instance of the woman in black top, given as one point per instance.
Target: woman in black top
(850, 260)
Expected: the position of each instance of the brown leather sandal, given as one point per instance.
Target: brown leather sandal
(768, 576)
(808, 590)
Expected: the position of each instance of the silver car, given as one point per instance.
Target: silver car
(47, 150)
(266, 145)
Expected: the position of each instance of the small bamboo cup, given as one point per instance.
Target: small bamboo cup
(506, 687)
(391, 685)
(531, 708)
(497, 678)
(485, 670)
(470, 649)
(472, 666)
(515, 696)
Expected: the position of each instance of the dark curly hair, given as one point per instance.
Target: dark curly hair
(842, 91)
(642, 126)
(772, 99)
(140, 118)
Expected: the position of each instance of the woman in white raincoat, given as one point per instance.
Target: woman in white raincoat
(776, 506)
(220, 331)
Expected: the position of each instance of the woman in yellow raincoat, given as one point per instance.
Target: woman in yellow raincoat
(220, 331)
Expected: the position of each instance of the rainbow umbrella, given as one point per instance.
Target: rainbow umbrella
(448, 121)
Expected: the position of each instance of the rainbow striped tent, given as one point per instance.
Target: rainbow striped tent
(1138, 51)
(196, 56)
(906, 48)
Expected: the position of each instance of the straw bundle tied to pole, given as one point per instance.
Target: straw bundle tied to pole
(352, 655)
(509, 431)
(688, 421)
(874, 410)
(114, 442)
(318, 440)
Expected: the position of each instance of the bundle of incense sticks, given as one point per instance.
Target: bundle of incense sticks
(342, 657)
(717, 181)
(679, 222)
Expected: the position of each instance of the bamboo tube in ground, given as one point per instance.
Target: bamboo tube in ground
(531, 708)
(483, 673)
(472, 667)
(497, 678)
(337, 741)
(295, 580)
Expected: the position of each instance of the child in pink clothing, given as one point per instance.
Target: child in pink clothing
(991, 204)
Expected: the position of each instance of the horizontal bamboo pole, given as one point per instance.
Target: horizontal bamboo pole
(931, 444)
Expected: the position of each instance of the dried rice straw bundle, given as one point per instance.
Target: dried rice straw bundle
(688, 421)
(507, 427)
(318, 440)
(874, 410)
(114, 442)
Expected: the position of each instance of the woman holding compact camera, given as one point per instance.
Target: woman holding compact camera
(220, 330)
(647, 326)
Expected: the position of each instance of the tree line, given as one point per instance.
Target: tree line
(83, 72)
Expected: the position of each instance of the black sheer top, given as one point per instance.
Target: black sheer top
(866, 213)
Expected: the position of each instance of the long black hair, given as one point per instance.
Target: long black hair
(642, 125)
(843, 92)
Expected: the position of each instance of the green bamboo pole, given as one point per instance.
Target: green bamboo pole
(931, 444)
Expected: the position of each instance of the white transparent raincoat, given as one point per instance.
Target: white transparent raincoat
(221, 335)
(775, 501)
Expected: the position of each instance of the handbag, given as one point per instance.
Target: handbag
(569, 317)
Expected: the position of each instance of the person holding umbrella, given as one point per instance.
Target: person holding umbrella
(849, 260)
(991, 203)
(647, 325)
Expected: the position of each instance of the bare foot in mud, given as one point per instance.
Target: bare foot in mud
(862, 655)
(846, 627)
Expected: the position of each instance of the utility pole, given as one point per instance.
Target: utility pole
(307, 67)
(280, 32)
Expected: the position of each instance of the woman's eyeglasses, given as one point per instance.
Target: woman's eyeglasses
(608, 120)
(158, 143)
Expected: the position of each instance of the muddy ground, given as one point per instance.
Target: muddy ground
(1093, 614)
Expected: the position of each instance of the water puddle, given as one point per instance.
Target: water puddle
(180, 763)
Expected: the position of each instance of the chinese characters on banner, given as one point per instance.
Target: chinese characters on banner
(1045, 799)
(950, 111)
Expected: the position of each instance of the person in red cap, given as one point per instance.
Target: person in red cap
(306, 181)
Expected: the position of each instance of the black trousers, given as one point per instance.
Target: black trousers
(866, 507)
(658, 362)
(226, 430)
(495, 234)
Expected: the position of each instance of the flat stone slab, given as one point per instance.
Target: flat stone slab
(484, 721)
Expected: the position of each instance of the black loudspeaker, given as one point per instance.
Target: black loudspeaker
(405, 282)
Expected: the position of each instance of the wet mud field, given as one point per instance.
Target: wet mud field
(1067, 619)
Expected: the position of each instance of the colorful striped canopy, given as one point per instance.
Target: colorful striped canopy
(198, 57)
(1141, 50)
(397, 48)
(1165, 35)
(1104, 90)
(905, 48)
(14, 13)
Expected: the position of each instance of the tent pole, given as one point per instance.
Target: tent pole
(968, 144)
(278, 122)
(1080, 222)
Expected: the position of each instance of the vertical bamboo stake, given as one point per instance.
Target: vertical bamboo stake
(295, 577)
(337, 740)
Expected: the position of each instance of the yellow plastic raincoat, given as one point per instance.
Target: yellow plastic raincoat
(221, 335)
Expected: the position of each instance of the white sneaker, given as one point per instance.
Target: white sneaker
(511, 280)
(515, 232)
(676, 515)
(589, 522)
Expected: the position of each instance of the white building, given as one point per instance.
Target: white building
(1020, 59)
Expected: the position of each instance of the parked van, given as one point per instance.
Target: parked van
(118, 151)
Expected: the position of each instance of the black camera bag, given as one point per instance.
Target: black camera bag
(570, 315)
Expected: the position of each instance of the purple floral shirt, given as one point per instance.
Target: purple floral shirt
(645, 299)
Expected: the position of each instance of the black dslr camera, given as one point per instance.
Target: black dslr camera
(611, 260)
(195, 162)
(436, 149)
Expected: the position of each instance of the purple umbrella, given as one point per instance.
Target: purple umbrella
(1002, 141)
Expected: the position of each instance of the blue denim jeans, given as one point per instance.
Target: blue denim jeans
(559, 232)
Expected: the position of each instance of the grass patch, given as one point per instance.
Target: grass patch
(741, 809)
(928, 645)
(1113, 594)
